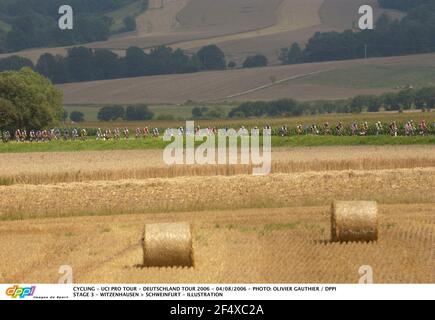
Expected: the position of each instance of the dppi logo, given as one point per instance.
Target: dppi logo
(18, 292)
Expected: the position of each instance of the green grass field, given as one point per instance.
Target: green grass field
(372, 76)
(291, 122)
(158, 143)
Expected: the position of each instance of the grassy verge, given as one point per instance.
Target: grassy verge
(151, 143)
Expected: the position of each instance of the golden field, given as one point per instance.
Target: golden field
(215, 193)
(61, 167)
(286, 245)
(88, 210)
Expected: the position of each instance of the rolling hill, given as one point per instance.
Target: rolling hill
(239, 27)
(314, 81)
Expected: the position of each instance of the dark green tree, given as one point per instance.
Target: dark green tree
(258, 60)
(136, 62)
(8, 115)
(47, 66)
(64, 115)
(81, 64)
(77, 116)
(107, 64)
(15, 63)
(129, 23)
(37, 103)
(138, 113)
(111, 113)
(196, 113)
(406, 98)
(294, 55)
(212, 58)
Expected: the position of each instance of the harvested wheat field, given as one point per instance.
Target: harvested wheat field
(286, 15)
(160, 18)
(61, 167)
(287, 245)
(296, 21)
(89, 210)
(212, 193)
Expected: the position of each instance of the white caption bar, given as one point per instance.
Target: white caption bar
(215, 292)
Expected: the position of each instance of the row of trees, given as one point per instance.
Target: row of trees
(33, 23)
(423, 98)
(413, 34)
(129, 113)
(84, 64)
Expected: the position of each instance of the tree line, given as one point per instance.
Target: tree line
(34, 23)
(137, 112)
(405, 99)
(414, 34)
(85, 64)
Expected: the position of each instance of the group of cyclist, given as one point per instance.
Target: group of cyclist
(363, 129)
(339, 129)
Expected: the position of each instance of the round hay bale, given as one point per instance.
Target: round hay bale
(168, 245)
(354, 221)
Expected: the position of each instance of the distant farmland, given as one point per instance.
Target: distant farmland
(314, 81)
(239, 27)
